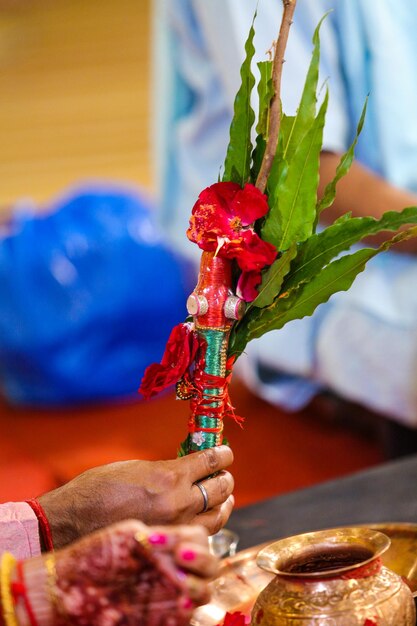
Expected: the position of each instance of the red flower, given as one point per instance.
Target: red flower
(179, 354)
(221, 220)
(251, 252)
(235, 619)
(247, 285)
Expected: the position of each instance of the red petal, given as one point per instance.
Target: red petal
(234, 619)
(249, 204)
(251, 252)
(213, 215)
(210, 217)
(247, 285)
(207, 223)
(225, 192)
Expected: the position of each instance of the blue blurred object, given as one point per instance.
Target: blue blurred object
(89, 293)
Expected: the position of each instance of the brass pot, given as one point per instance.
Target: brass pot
(332, 578)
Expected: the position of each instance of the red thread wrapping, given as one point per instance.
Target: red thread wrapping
(18, 589)
(44, 527)
(201, 402)
(214, 283)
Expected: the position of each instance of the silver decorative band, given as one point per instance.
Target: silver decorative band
(205, 496)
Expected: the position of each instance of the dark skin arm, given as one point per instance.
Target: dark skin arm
(155, 492)
(365, 194)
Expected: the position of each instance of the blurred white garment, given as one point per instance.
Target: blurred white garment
(361, 344)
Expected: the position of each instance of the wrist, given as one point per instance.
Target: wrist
(45, 533)
(60, 513)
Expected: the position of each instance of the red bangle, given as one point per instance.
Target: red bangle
(44, 527)
(18, 589)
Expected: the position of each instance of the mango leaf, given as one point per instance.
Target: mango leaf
(293, 215)
(296, 304)
(306, 111)
(294, 128)
(338, 276)
(319, 249)
(265, 94)
(343, 218)
(273, 278)
(343, 167)
(238, 156)
(279, 166)
(257, 156)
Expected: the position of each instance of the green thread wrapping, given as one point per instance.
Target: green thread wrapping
(216, 343)
(215, 364)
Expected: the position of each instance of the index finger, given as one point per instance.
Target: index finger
(206, 462)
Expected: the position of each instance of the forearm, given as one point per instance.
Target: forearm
(364, 194)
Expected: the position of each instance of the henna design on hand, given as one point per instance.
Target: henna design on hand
(110, 579)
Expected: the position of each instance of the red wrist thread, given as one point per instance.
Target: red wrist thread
(44, 527)
(18, 589)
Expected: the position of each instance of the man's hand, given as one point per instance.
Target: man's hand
(155, 492)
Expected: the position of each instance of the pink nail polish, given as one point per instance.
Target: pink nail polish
(157, 539)
(187, 603)
(188, 555)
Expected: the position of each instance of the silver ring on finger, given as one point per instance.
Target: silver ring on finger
(205, 496)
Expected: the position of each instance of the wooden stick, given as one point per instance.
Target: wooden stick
(275, 106)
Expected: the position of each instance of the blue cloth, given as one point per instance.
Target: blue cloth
(89, 293)
(362, 344)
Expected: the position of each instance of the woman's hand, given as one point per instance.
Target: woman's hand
(128, 574)
(155, 492)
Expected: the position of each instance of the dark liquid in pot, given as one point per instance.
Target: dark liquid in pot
(324, 559)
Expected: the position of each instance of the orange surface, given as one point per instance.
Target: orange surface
(274, 453)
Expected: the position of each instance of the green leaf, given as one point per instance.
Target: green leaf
(273, 278)
(257, 156)
(277, 174)
(184, 447)
(279, 167)
(343, 218)
(238, 157)
(293, 215)
(343, 167)
(265, 94)
(286, 129)
(306, 111)
(302, 301)
(321, 248)
(338, 276)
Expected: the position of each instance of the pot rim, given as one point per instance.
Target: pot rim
(272, 557)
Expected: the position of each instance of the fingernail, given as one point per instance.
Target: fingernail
(187, 603)
(181, 575)
(188, 555)
(157, 539)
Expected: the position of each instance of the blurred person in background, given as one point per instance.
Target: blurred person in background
(361, 345)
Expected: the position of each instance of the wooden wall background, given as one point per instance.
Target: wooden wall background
(74, 96)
